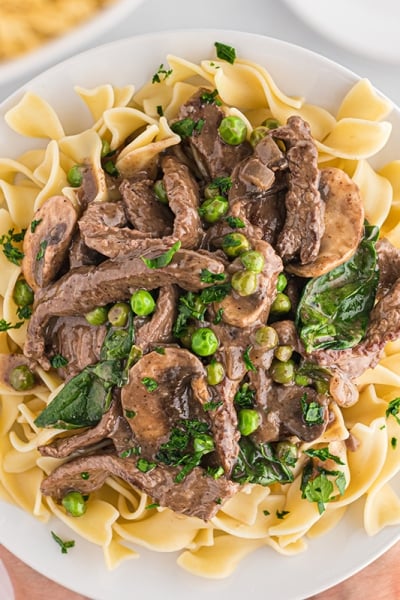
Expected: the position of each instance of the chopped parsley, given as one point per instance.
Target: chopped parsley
(58, 361)
(218, 316)
(145, 465)
(11, 251)
(247, 360)
(222, 184)
(153, 505)
(134, 451)
(161, 74)
(393, 443)
(208, 277)
(163, 259)
(210, 98)
(319, 488)
(186, 127)
(130, 414)
(110, 168)
(34, 224)
(393, 409)
(313, 412)
(85, 475)
(24, 312)
(5, 325)
(160, 110)
(64, 545)
(189, 307)
(225, 52)
(244, 397)
(281, 514)
(42, 249)
(212, 405)
(266, 512)
(215, 293)
(150, 384)
(235, 222)
(215, 472)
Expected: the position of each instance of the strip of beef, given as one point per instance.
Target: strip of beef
(281, 411)
(244, 311)
(112, 426)
(389, 265)
(304, 223)
(46, 243)
(86, 288)
(77, 341)
(80, 254)
(183, 197)
(158, 330)
(144, 211)
(212, 155)
(180, 392)
(197, 495)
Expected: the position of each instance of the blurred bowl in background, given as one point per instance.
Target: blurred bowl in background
(55, 48)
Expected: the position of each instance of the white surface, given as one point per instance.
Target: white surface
(67, 44)
(368, 27)
(328, 560)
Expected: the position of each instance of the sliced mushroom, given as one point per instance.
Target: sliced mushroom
(243, 311)
(162, 390)
(46, 243)
(344, 223)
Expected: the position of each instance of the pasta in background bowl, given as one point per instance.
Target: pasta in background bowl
(374, 164)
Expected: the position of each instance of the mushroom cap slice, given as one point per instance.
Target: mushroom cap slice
(344, 224)
(46, 246)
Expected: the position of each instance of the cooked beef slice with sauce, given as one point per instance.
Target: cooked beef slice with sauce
(198, 495)
(213, 157)
(86, 288)
(145, 213)
(301, 235)
(157, 330)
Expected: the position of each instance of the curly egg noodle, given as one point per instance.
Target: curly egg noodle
(27, 24)
(119, 518)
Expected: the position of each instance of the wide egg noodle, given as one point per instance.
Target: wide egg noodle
(362, 101)
(355, 138)
(373, 186)
(34, 117)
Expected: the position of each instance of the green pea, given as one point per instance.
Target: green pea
(215, 373)
(257, 135)
(282, 372)
(23, 293)
(21, 378)
(281, 304)
(160, 191)
(302, 380)
(234, 244)
(203, 443)
(271, 123)
(281, 283)
(283, 352)
(245, 283)
(74, 503)
(213, 209)
(97, 316)
(233, 130)
(253, 261)
(248, 420)
(142, 303)
(118, 314)
(105, 148)
(75, 176)
(204, 342)
(266, 337)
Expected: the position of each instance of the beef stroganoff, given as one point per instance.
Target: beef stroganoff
(199, 315)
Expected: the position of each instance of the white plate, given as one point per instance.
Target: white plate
(67, 44)
(329, 559)
(368, 27)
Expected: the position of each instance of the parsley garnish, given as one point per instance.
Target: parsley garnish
(210, 98)
(189, 307)
(145, 465)
(34, 224)
(164, 259)
(85, 475)
(5, 325)
(208, 277)
(244, 397)
(393, 442)
(313, 412)
(134, 451)
(58, 361)
(225, 52)
(130, 414)
(212, 405)
(150, 384)
(24, 312)
(393, 409)
(235, 222)
(42, 249)
(218, 316)
(161, 74)
(323, 454)
(222, 184)
(215, 472)
(247, 360)
(185, 127)
(153, 505)
(215, 293)
(160, 111)
(110, 168)
(10, 251)
(64, 545)
(319, 489)
(266, 513)
(281, 514)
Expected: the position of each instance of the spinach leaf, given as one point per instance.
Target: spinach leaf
(334, 309)
(258, 463)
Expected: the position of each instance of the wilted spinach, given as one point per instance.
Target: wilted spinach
(334, 309)
(260, 463)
